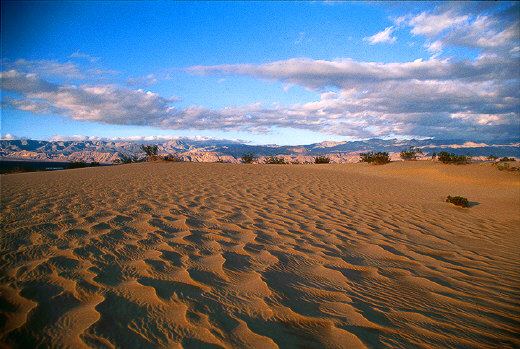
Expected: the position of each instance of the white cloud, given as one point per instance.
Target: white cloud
(445, 98)
(160, 138)
(55, 69)
(319, 74)
(465, 24)
(47, 68)
(431, 25)
(145, 81)
(102, 103)
(78, 54)
(8, 137)
(434, 98)
(382, 36)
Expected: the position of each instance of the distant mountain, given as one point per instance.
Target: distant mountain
(231, 151)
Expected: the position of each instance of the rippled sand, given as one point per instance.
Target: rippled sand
(192, 255)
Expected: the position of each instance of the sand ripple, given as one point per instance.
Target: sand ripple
(257, 256)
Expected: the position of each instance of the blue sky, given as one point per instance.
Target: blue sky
(264, 72)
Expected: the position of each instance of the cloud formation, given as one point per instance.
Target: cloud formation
(82, 138)
(78, 54)
(474, 99)
(489, 29)
(100, 103)
(431, 108)
(382, 36)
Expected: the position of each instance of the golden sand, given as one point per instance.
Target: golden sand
(171, 255)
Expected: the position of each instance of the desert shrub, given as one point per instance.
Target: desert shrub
(76, 164)
(451, 158)
(458, 200)
(150, 150)
(126, 159)
(410, 153)
(172, 157)
(321, 160)
(248, 158)
(274, 160)
(295, 162)
(505, 158)
(94, 164)
(506, 167)
(379, 158)
(434, 155)
(492, 157)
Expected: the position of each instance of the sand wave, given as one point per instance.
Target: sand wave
(221, 255)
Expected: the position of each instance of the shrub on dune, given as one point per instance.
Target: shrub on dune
(173, 158)
(248, 158)
(410, 153)
(504, 166)
(379, 158)
(275, 160)
(458, 200)
(76, 164)
(451, 158)
(150, 151)
(126, 159)
(321, 160)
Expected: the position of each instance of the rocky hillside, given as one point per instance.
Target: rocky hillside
(231, 151)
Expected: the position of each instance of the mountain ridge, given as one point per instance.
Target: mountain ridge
(231, 151)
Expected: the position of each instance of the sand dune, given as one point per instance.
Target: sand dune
(186, 255)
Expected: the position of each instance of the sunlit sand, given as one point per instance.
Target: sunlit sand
(154, 255)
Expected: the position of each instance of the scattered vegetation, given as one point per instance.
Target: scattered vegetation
(410, 153)
(458, 200)
(505, 159)
(321, 160)
(504, 166)
(274, 160)
(248, 158)
(295, 162)
(126, 159)
(434, 155)
(76, 164)
(492, 158)
(94, 164)
(379, 158)
(172, 157)
(150, 151)
(451, 158)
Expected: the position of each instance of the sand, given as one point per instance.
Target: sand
(171, 255)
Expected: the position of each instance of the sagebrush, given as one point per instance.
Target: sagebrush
(248, 158)
(379, 158)
(458, 200)
(275, 160)
(321, 160)
(410, 153)
(451, 158)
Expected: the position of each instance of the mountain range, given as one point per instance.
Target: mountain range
(231, 151)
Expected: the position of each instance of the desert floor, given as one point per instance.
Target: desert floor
(155, 255)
